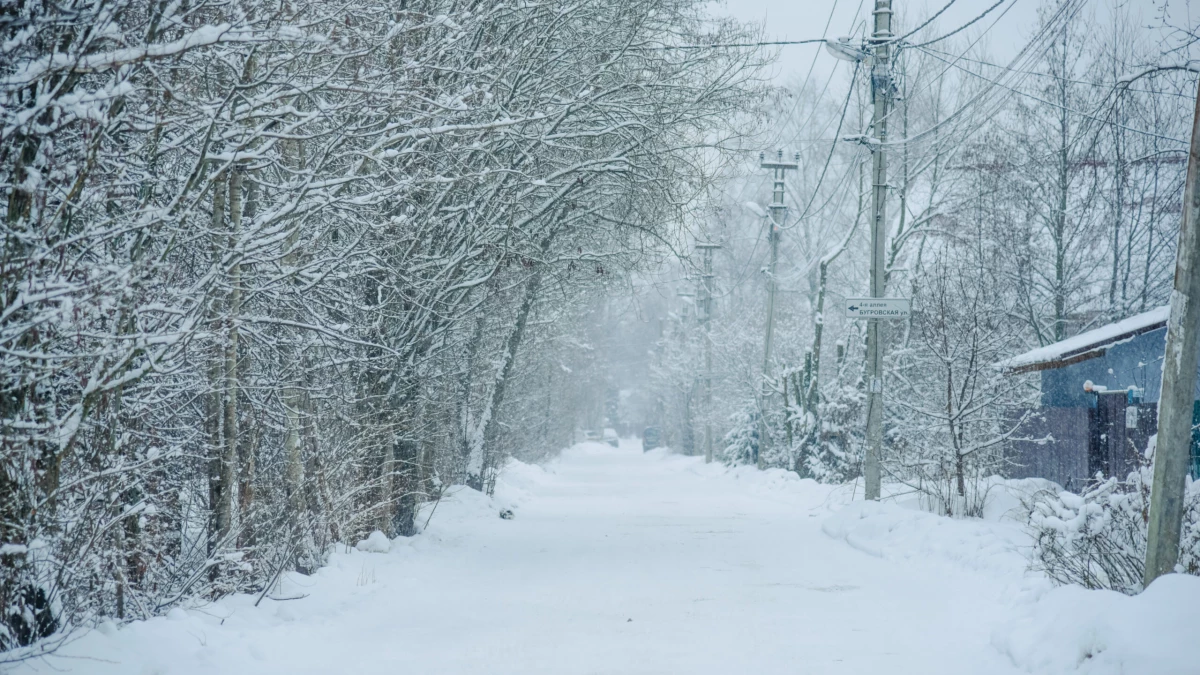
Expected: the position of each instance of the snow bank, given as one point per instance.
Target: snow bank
(898, 528)
(901, 532)
(1048, 630)
(463, 512)
(1074, 630)
(241, 633)
(517, 483)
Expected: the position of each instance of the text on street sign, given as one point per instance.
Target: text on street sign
(878, 308)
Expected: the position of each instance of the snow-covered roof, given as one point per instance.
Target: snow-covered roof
(1087, 345)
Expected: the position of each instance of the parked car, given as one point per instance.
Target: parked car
(610, 437)
(651, 438)
(593, 436)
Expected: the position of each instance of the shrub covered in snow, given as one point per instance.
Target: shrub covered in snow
(1098, 539)
(834, 455)
(741, 442)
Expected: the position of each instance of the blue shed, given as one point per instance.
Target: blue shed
(1099, 401)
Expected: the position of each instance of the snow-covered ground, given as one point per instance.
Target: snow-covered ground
(622, 562)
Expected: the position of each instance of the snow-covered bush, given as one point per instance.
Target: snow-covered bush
(1098, 539)
(741, 442)
(835, 454)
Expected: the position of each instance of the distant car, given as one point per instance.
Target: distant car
(651, 438)
(610, 437)
(592, 436)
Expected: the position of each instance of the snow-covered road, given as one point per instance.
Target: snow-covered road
(616, 562)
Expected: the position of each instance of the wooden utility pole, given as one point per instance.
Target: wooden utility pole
(881, 96)
(687, 440)
(778, 215)
(706, 316)
(1179, 382)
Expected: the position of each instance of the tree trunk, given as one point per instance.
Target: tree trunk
(244, 434)
(1118, 210)
(220, 463)
(232, 435)
(463, 403)
(407, 459)
(293, 456)
(316, 487)
(483, 439)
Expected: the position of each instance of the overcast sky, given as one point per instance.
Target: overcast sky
(1006, 28)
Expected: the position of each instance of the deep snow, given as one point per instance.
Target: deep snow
(624, 562)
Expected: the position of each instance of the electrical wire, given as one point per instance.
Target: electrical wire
(813, 64)
(968, 48)
(829, 81)
(829, 156)
(985, 97)
(841, 120)
(729, 45)
(964, 26)
(832, 73)
(1088, 116)
(923, 25)
(1098, 85)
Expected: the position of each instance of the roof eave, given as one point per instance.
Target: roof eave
(1084, 353)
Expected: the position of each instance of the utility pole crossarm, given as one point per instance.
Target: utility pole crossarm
(780, 164)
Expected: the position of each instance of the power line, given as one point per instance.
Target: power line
(963, 27)
(829, 80)
(824, 34)
(832, 148)
(841, 119)
(969, 47)
(813, 64)
(730, 45)
(925, 23)
(1098, 85)
(822, 40)
(743, 274)
(1043, 101)
(1026, 53)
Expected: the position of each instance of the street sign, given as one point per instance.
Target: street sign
(878, 308)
